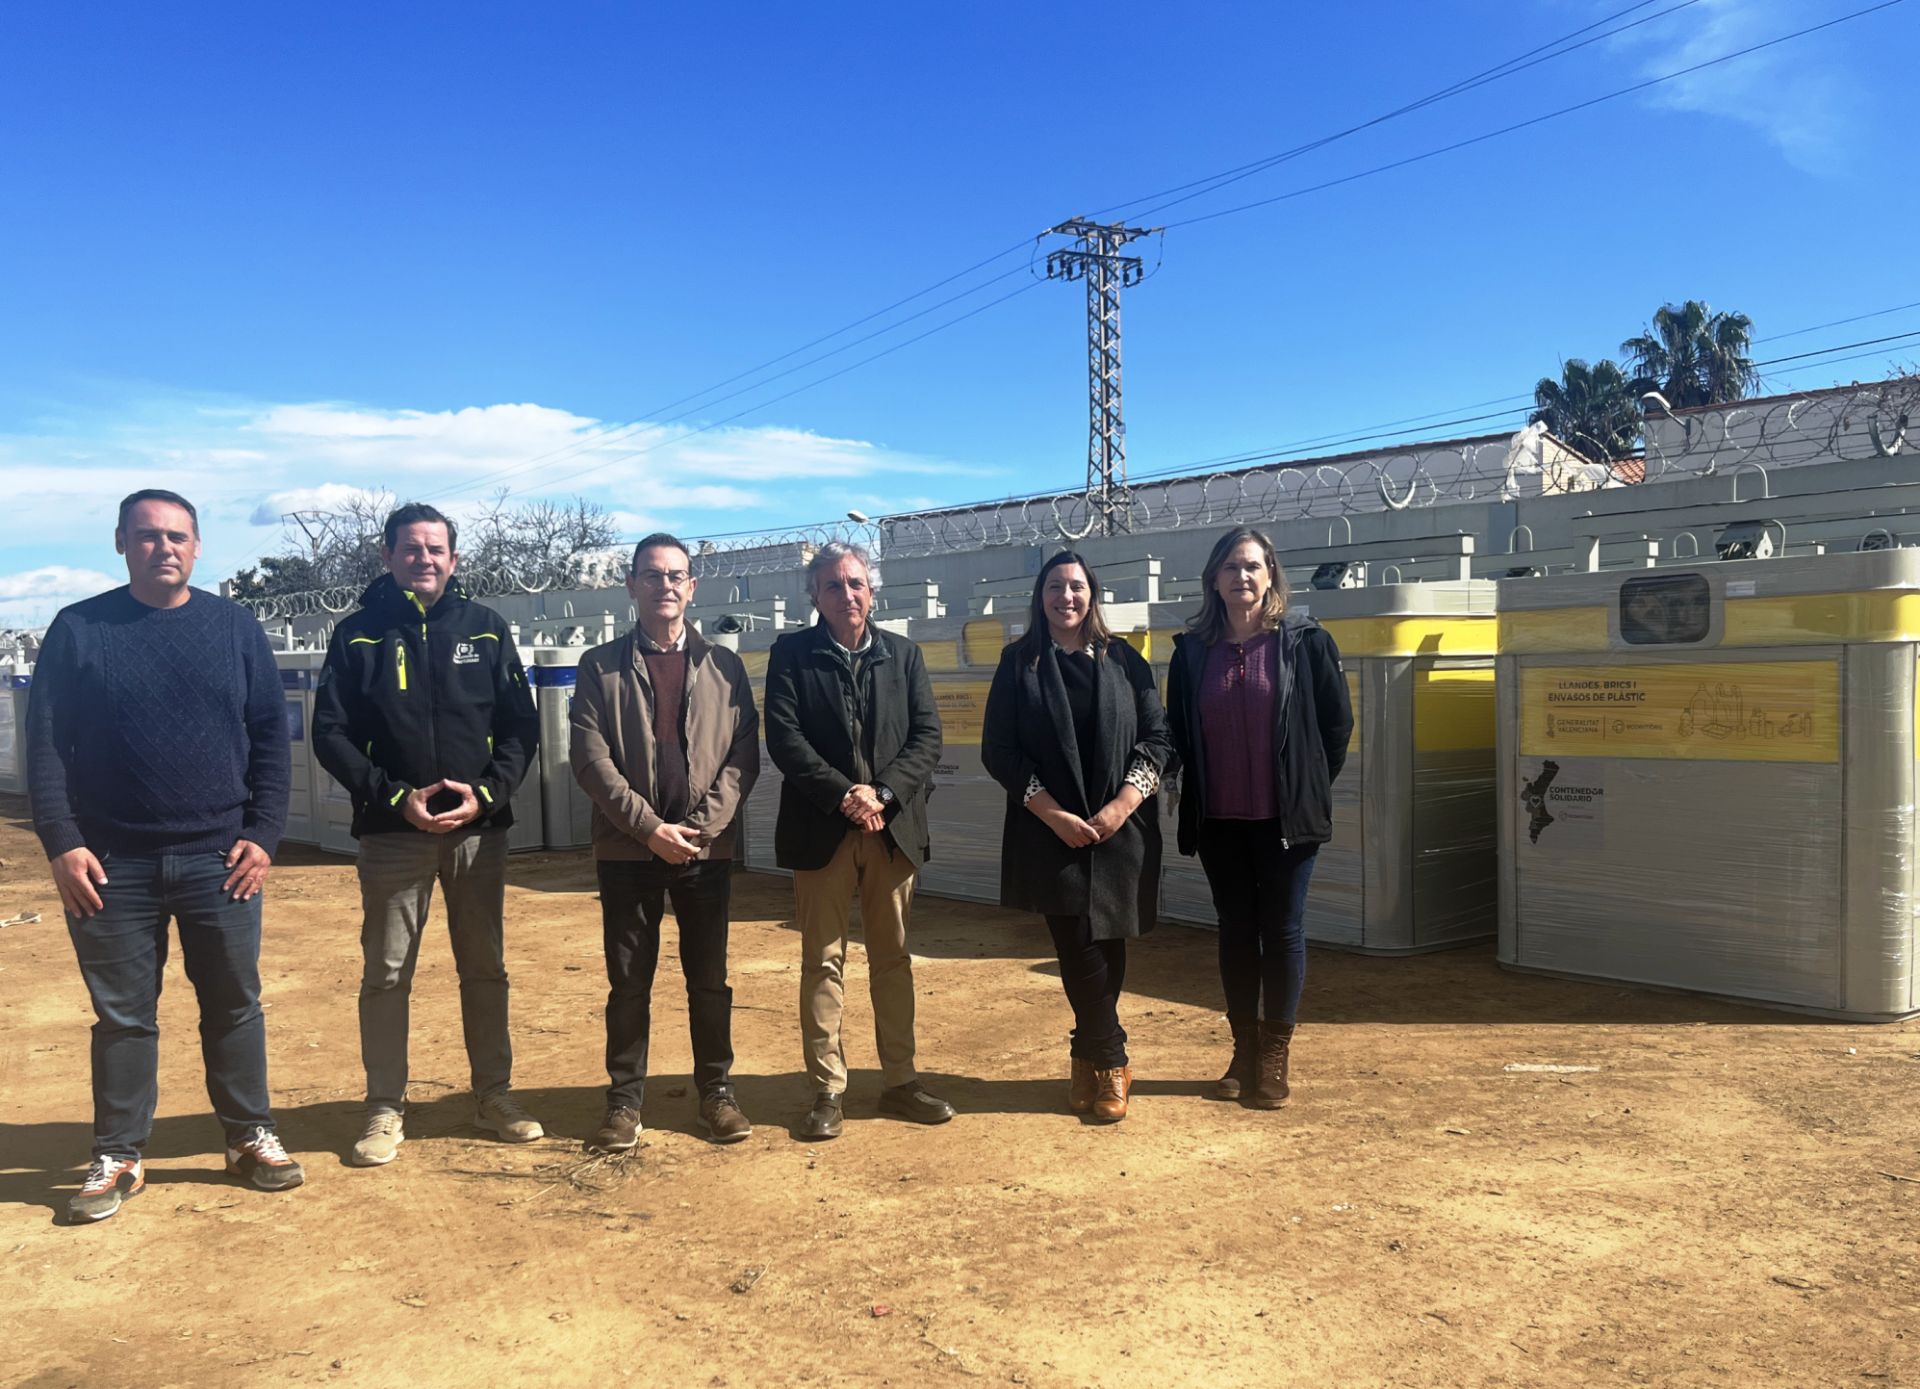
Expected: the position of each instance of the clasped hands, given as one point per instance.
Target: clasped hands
(863, 806)
(1078, 833)
(674, 843)
(414, 807)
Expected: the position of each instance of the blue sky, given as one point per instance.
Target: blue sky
(266, 256)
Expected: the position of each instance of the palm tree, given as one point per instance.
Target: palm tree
(1694, 356)
(1591, 409)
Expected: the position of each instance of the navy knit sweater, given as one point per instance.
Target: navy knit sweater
(155, 730)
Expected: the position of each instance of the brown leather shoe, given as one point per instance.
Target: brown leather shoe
(720, 1116)
(1243, 1069)
(1270, 1088)
(1110, 1091)
(619, 1131)
(1080, 1087)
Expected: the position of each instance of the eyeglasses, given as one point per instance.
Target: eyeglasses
(1237, 672)
(663, 578)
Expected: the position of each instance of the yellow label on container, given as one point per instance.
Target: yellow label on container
(1808, 619)
(1553, 629)
(963, 708)
(1878, 615)
(1742, 711)
(1413, 636)
(982, 640)
(1453, 710)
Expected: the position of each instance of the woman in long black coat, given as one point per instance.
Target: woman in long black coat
(1075, 732)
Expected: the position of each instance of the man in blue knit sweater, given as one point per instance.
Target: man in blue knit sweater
(159, 775)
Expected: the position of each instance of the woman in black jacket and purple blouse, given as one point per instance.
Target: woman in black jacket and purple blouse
(1075, 733)
(1260, 720)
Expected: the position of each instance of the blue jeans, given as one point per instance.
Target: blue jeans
(1260, 897)
(123, 957)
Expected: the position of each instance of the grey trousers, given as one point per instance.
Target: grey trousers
(397, 873)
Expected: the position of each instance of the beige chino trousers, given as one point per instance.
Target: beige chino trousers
(823, 905)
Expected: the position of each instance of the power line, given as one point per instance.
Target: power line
(1837, 361)
(806, 386)
(1521, 125)
(1386, 431)
(580, 445)
(1821, 352)
(1838, 322)
(1373, 433)
(653, 420)
(1532, 58)
(1426, 423)
(1535, 120)
(594, 438)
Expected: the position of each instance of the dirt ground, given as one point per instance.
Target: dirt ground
(1727, 1199)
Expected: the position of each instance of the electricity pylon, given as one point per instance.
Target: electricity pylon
(1096, 258)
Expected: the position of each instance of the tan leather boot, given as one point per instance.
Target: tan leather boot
(1110, 1091)
(1270, 1088)
(1241, 1070)
(1080, 1087)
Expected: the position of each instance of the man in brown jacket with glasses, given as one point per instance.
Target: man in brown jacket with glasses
(666, 744)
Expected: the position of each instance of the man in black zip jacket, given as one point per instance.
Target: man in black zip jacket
(424, 715)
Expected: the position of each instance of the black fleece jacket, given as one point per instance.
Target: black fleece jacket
(409, 697)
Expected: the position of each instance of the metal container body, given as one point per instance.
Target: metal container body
(565, 811)
(299, 672)
(529, 828)
(762, 809)
(1722, 801)
(16, 686)
(966, 808)
(1411, 866)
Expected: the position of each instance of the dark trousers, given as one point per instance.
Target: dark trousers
(633, 898)
(1260, 897)
(1093, 972)
(123, 957)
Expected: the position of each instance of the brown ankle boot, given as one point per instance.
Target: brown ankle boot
(1110, 1091)
(1241, 1070)
(1080, 1087)
(1270, 1089)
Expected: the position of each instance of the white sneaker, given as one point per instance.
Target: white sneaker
(380, 1141)
(500, 1114)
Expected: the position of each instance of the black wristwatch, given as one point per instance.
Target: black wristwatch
(885, 793)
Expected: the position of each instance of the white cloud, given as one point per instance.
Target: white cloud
(329, 496)
(56, 581)
(1796, 95)
(539, 448)
(247, 464)
(30, 598)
